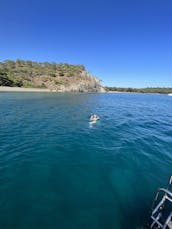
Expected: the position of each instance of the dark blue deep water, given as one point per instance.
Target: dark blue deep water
(57, 171)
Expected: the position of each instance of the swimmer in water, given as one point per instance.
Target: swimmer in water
(94, 117)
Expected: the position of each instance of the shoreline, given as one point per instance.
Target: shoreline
(132, 92)
(22, 89)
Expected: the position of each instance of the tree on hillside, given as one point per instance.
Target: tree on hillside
(4, 80)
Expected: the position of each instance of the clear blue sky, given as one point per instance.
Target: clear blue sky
(123, 42)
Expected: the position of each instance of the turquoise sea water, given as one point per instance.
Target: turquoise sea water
(58, 171)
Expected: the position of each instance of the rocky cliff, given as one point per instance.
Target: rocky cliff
(56, 77)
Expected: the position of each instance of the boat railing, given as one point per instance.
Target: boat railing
(161, 211)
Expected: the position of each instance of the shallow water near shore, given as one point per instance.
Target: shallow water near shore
(57, 171)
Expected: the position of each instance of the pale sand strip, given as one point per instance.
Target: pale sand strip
(21, 89)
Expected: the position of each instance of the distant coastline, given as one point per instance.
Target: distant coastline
(151, 90)
(24, 89)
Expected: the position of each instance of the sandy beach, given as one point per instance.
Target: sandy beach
(20, 89)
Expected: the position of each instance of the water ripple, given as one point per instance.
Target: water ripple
(57, 172)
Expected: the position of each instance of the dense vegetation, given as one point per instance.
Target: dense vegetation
(21, 73)
(54, 76)
(7, 80)
(141, 90)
